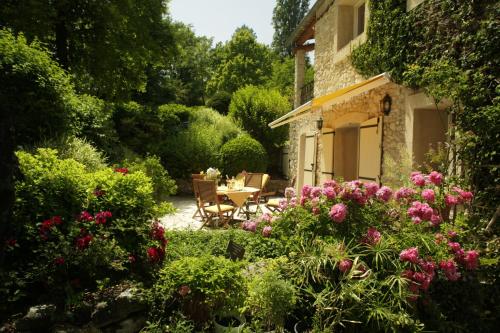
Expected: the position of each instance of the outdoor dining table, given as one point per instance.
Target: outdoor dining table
(237, 196)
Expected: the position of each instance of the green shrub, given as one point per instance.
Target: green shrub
(78, 149)
(220, 101)
(243, 153)
(163, 185)
(270, 299)
(203, 286)
(197, 146)
(253, 108)
(76, 224)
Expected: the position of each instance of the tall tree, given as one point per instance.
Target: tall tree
(241, 61)
(106, 45)
(287, 15)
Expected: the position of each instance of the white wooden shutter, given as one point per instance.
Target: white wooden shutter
(370, 150)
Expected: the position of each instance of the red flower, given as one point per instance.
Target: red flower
(45, 228)
(132, 259)
(157, 231)
(56, 220)
(83, 242)
(100, 218)
(155, 254)
(98, 192)
(85, 216)
(59, 261)
(121, 170)
(11, 242)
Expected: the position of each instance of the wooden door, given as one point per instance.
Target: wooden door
(370, 150)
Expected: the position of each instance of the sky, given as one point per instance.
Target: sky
(219, 18)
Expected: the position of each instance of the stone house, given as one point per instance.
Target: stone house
(344, 125)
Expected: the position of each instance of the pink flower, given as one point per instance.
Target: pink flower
(371, 189)
(438, 238)
(338, 213)
(449, 269)
(266, 217)
(452, 234)
(85, 216)
(463, 196)
(428, 195)
(420, 211)
(315, 192)
(417, 178)
(290, 192)
(410, 255)
(404, 193)
(249, 226)
(428, 267)
(436, 178)
(315, 210)
(345, 265)
(384, 193)
(450, 200)
(315, 201)
(293, 202)
(330, 183)
(283, 204)
(306, 190)
(372, 236)
(266, 231)
(184, 290)
(329, 192)
(471, 259)
(454, 246)
(101, 217)
(436, 220)
(132, 259)
(98, 192)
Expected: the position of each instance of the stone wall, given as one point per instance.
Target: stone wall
(357, 110)
(332, 68)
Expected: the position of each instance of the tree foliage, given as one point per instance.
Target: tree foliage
(287, 15)
(253, 108)
(106, 45)
(241, 61)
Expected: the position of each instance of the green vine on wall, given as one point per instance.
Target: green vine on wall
(449, 49)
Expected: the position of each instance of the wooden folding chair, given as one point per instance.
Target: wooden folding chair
(195, 177)
(207, 190)
(274, 204)
(253, 180)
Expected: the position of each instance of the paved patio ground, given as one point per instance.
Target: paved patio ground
(182, 219)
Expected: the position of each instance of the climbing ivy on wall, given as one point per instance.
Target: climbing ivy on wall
(450, 49)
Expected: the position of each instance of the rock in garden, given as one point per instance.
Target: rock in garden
(127, 303)
(38, 318)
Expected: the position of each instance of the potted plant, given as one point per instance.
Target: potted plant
(229, 323)
(270, 298)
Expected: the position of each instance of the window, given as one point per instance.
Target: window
(350, 21)
(360, 19)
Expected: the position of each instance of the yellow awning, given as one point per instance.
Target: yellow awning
(292, 115)
(330, 99)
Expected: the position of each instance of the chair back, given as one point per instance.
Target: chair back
(254, 180)
(195, 177)
(265, 179)
(207, 190)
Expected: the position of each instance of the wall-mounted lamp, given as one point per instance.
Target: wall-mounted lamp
(319, 123)
(386, 104)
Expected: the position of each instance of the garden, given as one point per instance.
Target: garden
(97, 135)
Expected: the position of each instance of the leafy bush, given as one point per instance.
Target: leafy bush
(367, 258)
(220, 102)
(201, 286)
(197, 147)
(253, 108)
(75, 227)
(163, 185)
(243, 153)
(80, 150)
(270, 299)
(35, 92)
